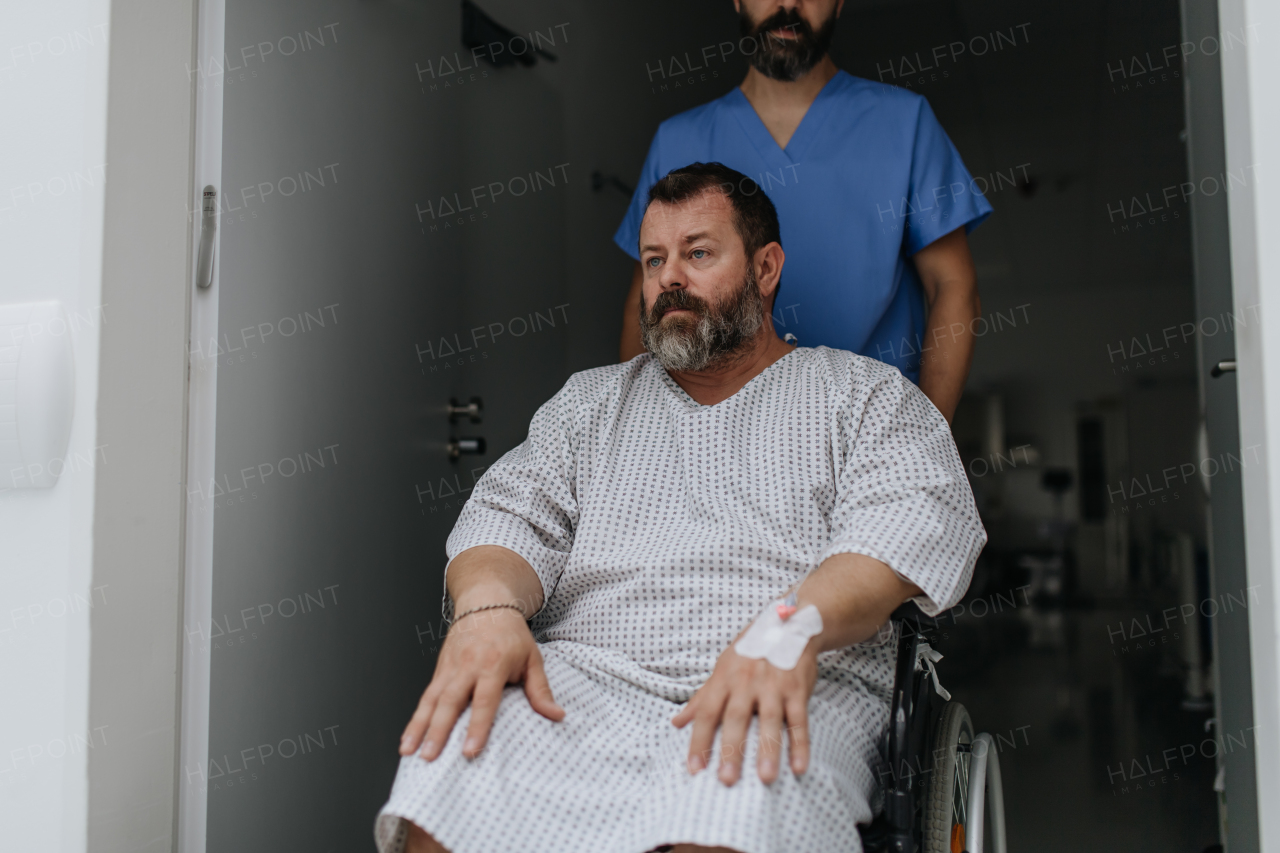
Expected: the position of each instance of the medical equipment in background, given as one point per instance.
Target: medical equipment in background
(208, 231)
(37, 394)
(1181, 557)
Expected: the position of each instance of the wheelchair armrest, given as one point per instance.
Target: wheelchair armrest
(909, 614)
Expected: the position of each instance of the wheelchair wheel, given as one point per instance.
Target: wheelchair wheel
(946, 800)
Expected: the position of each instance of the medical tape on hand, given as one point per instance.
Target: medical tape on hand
(777, 640)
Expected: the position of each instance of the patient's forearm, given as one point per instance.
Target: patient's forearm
(855, 595)
(491, 574)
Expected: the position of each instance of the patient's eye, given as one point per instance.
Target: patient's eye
(653, 262)
(699, 254)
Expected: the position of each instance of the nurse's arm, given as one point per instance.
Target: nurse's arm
(951, 291)
(631, 345)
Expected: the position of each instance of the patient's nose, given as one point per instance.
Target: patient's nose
(672, 278)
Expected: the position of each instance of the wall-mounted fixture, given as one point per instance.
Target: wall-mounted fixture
(473, 410)
(599, 180)
(469, 446)
(495, 44)
(37, 394)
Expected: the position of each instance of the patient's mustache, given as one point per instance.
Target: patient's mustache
(677, 299)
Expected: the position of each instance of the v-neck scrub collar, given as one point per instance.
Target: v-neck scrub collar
(754, 127)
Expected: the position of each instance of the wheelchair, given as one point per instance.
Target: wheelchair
(942, 787)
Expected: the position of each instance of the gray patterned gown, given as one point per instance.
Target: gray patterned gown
(660, 528)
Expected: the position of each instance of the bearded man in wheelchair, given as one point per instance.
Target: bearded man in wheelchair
(670, 605)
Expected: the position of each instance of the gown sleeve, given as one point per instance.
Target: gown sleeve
(902, 496)
(527, 500)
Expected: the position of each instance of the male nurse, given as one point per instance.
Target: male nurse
(873, 200)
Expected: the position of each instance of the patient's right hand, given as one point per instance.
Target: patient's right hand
(476, 662)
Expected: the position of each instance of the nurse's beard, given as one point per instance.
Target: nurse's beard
(713, 337)
(787, 59)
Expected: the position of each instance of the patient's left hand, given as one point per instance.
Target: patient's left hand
(738, 688)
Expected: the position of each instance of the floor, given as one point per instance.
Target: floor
(1097, 750)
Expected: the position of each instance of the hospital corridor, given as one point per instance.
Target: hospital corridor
(866, 404)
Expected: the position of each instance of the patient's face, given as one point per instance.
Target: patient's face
(700, 300)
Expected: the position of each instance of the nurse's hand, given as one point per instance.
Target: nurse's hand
(481, 655)
(740, 688)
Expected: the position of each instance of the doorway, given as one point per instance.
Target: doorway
(416, 252)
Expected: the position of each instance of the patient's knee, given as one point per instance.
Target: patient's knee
(420, 842)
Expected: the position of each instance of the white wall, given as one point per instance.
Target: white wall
(53, 96)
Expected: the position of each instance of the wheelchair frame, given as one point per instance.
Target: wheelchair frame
(910, 751)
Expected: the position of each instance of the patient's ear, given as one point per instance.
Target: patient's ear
(768, 268)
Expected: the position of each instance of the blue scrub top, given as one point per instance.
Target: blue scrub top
(868, 179)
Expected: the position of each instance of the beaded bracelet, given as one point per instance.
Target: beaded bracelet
(456, 619)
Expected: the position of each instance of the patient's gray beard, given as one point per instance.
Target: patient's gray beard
(714, 338)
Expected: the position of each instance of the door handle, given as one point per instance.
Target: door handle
(470, 446)
(473, 410)
(1227, 365)
(208, 228)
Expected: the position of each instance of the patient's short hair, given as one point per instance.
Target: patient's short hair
(754, 216)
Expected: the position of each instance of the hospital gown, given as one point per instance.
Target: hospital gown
(659, 528)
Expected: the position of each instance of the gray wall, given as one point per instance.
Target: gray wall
(365, 533)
